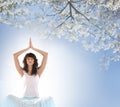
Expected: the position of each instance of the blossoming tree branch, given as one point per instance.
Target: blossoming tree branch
(93, 23)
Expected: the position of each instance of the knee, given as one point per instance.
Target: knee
(10, 97)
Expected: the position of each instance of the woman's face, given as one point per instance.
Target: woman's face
(30, 60)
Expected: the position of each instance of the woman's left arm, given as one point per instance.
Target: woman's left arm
(44, 60)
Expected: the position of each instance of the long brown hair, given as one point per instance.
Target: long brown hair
(35, 65)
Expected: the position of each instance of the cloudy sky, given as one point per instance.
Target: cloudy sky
(72, 75)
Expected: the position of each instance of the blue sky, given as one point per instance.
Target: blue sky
(72, 74)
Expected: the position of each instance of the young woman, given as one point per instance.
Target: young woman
(30, 72)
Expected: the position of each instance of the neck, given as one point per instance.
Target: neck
(29, 69)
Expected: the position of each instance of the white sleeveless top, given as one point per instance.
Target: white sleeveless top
(30, 85)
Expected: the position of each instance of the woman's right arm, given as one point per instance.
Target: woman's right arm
(16, 61)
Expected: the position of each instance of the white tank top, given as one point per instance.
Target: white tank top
(30, 85)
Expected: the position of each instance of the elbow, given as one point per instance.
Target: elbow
(46, 54)
(15, 55)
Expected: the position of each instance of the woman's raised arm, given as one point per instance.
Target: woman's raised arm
(44, 60)
(16, 61)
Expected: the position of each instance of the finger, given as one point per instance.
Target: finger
(30, 42)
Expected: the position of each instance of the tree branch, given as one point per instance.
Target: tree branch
(60, 11)
(63, 22)
(79, 12)
(70, 10)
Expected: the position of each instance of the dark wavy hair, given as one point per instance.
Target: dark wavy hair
(35, 65)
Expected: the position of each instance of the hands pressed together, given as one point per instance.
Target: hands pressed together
(30, 44)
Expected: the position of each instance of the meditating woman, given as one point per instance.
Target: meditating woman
(30, 72)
